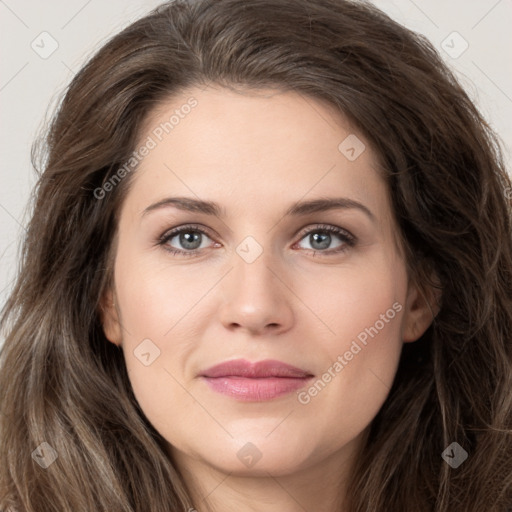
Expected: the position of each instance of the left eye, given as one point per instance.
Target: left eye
(322, 238)
(191, 237)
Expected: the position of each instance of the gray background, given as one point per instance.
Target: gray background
(32, 79)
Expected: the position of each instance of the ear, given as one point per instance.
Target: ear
(421, 307)
(109, 317)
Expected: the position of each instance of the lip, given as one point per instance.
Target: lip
(255, 382)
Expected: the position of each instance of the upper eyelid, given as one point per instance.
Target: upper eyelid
(320, 227)
(190, 227)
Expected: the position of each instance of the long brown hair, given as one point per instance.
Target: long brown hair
(63, 383)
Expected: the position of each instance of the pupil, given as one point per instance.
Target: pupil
(323, 244)
(187, 243)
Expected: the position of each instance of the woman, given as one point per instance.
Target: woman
(269, 267)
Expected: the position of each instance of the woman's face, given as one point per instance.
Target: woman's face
(263, 282)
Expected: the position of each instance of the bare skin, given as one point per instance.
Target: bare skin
(298, 301)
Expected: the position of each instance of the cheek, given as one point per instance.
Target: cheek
(159, 307)
(155, 297)
(362, 300)
(363, 309)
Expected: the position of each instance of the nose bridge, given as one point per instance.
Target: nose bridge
(252, 279)
(254, 297)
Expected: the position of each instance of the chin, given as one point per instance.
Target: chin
(275, 463)
(258, 454)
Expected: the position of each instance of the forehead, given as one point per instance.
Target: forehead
(253, 148)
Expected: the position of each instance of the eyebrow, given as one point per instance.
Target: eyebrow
(297, 209)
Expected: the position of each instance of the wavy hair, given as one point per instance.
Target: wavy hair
(63, 383)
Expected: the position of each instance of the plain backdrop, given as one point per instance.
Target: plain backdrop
(43, 44)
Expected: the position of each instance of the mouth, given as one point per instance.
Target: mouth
(255, 382)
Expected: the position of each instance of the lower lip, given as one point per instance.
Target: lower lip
(255, 390)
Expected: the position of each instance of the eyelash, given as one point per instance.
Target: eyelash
(348, 239)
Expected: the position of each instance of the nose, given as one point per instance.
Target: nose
(256, 297)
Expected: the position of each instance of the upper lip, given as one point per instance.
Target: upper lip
(259, 369)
